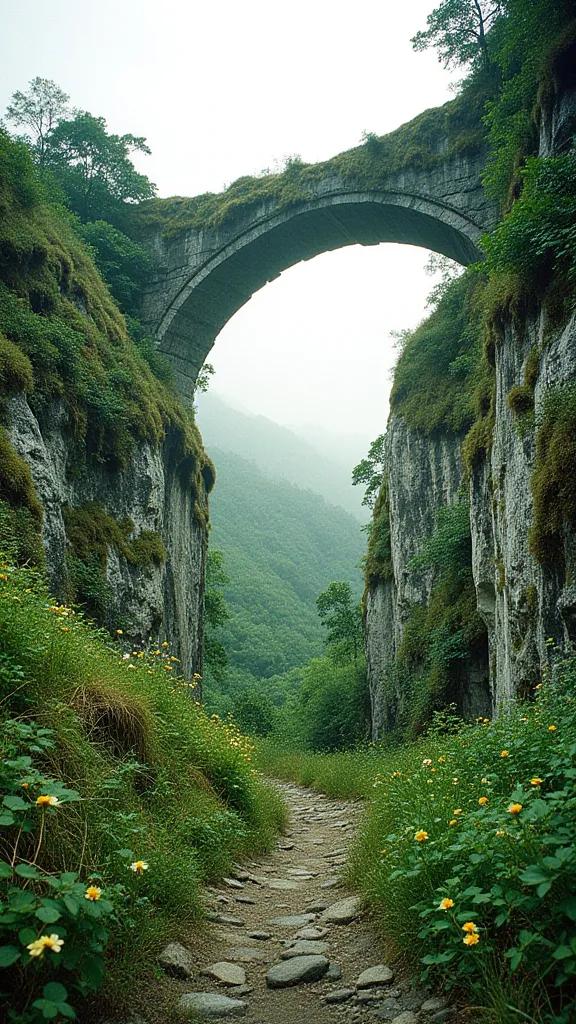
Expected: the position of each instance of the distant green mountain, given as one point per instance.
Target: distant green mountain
(285, 454)
(282, 545)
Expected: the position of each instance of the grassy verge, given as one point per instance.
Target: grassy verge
(128, 768)
(467, 854)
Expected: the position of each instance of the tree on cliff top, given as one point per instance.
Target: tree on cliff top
(39, 110)
(94, 167)
(458, 29)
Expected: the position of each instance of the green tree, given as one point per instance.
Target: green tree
(123, 263)
(342, 619)
(94, 168)
(39, 110)
(254, 712)
(215, 615)
(371, 470)
(458, 29)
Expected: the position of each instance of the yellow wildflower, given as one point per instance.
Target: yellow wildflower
(119, 632)
(446, 904)
(504, 753)
(483, 800)
(469, 927)
(52, 942)
(514, 808)
(453, 821)
(3, 576)
(536, 781)
(471, 940)
(500, 832)
(427, 762)
(165, 643)
(441, 760)
(552, 728)
(421, 836)
(139, 867)
(44, 800)
(457, 811)
(93, 893)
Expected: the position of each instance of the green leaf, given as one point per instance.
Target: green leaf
(48, 915)
(6, 818)
(534, 875)
(9, 955)
(15, 803)
(72, 905)
(27, 935)
(5, 869)
(562, 953)
(28, 871)
(55, 991)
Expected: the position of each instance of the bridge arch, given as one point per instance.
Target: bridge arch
(203, 275)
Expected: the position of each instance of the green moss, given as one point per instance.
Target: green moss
(92, 532)
(435, 374)
(416, 144)
(15, 368)
(520, 399)
(554, 476)
(378, 565)
(20, 540)
(478, 441)
(16, 485)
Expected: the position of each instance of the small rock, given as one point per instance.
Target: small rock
(281, 883)
(260, 935)
(305, 948)
(245, 899)
(373, 976)
(296, 971)
(368, 995)
(293, 920)
(331, 883)
(311, 933)
(334, 972)
(233, 883)
(176, 960)
(243, 990)
(340, 995)
(209, 1004)
(407, 1017)
(388, 1009)
(435, 1003)
(343, 912)
(226, 973)
(317, 906)
(240, 874)
(441, 1016)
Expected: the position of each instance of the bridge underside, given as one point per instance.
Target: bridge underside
(226, 278)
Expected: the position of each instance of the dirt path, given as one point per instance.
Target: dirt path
(246, 932)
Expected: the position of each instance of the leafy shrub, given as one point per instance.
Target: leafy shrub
(537, 238)
(484, 818)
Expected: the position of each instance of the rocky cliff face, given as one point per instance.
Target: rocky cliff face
(529, 608)
(164, 597)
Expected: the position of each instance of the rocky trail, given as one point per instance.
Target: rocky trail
(285, 942)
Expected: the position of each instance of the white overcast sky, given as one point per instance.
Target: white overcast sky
(223, 89)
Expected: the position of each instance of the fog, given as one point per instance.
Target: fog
(225, 89)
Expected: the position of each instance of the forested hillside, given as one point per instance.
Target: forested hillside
(281, 546)
(282, 453)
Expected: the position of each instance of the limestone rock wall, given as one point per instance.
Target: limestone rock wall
(425, 474)
(529, 610)
(159, 600)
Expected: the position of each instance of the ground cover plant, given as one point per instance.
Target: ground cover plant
(119, 796)
(467, 855)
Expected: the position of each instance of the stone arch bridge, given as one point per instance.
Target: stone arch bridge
(211, 254)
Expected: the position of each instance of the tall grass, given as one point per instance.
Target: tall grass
(157, 777)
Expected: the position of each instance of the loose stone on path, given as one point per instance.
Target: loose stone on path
(296, 971)
(209, 1004)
